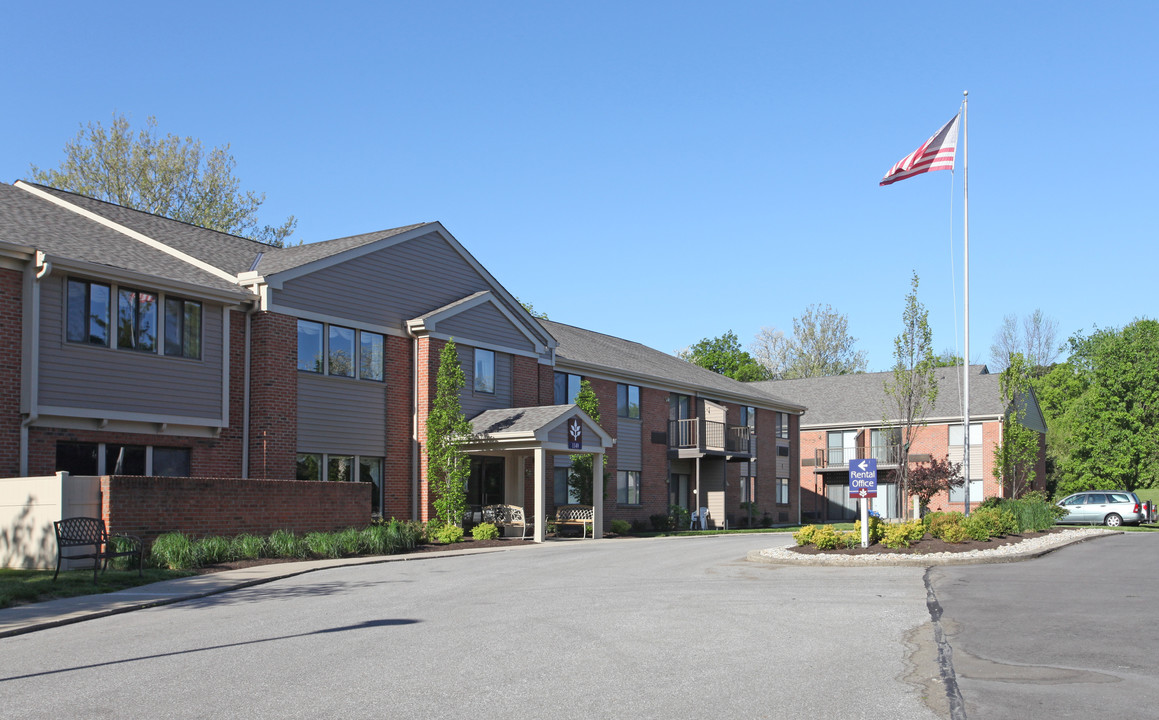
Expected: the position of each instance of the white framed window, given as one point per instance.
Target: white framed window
(485, 371)
(182, 328)
(782, 491)
(627, 401)
(340, 351)
(628, 487)
(372, 362)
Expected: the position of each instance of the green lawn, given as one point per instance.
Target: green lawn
(27, 586)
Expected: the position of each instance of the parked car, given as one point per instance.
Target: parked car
(1102, 507)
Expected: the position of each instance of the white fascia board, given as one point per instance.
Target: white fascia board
(334, 320)
(545, 429)
(139, 237)
(604, 373)
(882, 424)
(128, 426)
(146, 281)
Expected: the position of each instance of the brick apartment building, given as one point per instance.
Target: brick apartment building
(145, 350)
(847, 420)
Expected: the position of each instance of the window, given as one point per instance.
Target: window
(958, 494)
(567, 387)
(136, 320)
(109, 459)
(182, 328)
(125, 460)
(309, 466)
(782, 425)
(678, 490)
(310, 347)
(340, 468)
(628, 487)
(171, 462)
(88, 312)
(783, 450)
(748, 417)
(842, 446)
(76, 458)
(484, 371)
(748, 489)
(372, 360)
(782, 491)
(340, 358)
(958, 437)
(370, 471)
(683, 406)
(628, 401)
(564, 495)
(885, 445)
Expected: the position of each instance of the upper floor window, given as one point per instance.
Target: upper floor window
(628, 401)
(748, 417)
(958, 437)
(484, 371)
(567, 388)
(683, 406)
(182, 328)
(88, 312)
(330, 350)
(782, 425)
(136, 320)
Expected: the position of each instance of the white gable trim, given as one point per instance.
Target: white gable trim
(143, 239)
(428, 324)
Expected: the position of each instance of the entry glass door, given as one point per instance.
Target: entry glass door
(486, 484)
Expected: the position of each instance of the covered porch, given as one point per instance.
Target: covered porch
(513, 452)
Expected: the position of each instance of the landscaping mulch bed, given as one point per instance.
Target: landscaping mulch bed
(468, 543)
(928, 545)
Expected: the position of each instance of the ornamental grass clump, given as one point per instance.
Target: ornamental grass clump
(323, 544)
(285, 544)
(174, 551)
(247, 547)
(212, 550)
(349, 542)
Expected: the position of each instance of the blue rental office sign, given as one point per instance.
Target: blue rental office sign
(863, 478)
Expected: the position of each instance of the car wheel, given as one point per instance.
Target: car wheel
(1113, 520)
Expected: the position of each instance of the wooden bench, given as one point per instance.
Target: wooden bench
(582, 515)
(90, 532)
(506, 516)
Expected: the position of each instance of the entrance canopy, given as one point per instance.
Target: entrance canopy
(541, 432)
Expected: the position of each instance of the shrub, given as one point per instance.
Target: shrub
(680, 517)
(247, 547)
(638, 526)
(953, 532)
(485, 531)
(173, 551)
(621, 527)
(349, 541)
(323, 544)
(1032, 513)
(903, 534)
(212, 550)
(766, 520)
(661, 522)
(977, 527)
(876, 529)
(285, 544)
(804, 536)
(938, 523)
(828, 538)
(447, 534)
(404, 534)
(124, 562)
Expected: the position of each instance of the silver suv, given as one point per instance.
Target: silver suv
(1102, 507)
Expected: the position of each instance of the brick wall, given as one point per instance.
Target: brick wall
(546, 385)
(150, 506)
(654, 473)
(525, 381)
(428, 369)
(11, 328)
(397, 479)
(273, 396)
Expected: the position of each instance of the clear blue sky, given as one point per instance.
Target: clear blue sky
(658, 171)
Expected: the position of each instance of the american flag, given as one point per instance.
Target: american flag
(937, 153)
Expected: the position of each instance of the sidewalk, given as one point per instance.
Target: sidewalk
(53, 613)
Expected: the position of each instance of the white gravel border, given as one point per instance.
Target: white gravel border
(1026, 549)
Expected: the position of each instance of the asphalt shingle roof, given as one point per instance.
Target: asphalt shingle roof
(861, 398)
(617, 354)
(517, 420)
(281, 259)
(31, 221)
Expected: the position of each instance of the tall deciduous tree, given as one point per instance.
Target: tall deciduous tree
(447, 465)
(579, 480)
(820, 345)
(170, 176)
(1016, 455)
(912, 389)
(724, 355)
(1036, 338)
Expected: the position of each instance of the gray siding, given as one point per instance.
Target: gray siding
(387, 287)
(629, 455)
(484, 323)
(341, 416)
(96, 378)
(474, 403)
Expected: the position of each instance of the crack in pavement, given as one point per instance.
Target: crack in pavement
(945, 653)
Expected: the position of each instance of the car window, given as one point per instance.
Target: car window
(1120, 498)
(1077, 500)
(1096, 498)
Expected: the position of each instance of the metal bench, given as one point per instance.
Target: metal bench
(78, 532)
(582, 515)
(506, 516)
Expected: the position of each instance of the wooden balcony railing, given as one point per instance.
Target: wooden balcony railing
(705, 435)
(839, 457)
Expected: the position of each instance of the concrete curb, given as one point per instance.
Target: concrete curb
(66, 611)
(987, 557)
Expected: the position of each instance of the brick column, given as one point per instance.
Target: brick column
(273, 440)
(11, 332)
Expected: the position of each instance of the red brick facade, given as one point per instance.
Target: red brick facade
(273, 440)
(11, 322)
(398, 487)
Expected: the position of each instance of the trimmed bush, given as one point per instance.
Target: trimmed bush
(876, 529)
(661, 522)
(953, 532)
(903, 534)
(680, 516)
(485, 531)
(173, 551)
(447, 534)
(937, 524)
(804, 536)
(621, 527)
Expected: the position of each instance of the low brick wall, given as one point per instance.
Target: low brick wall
(151, 506)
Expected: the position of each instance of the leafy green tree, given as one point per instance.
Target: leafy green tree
(725, 356)
(948, 358)
(169, 176)
(912, 389)
(927, 479)
(1016, 455)
(447, 465)
(579, 480)
(532, 311)
(821, 345)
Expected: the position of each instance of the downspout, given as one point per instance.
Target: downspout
(32, 356)
(1001, 439)
(245, 421)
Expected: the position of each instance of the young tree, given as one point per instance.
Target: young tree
(927, 479)
(913, 388)
(447, 465)
(1015, 456)
(821, 345)
(169, 176)
(1036, 340)
(579, 479)
(725, 356)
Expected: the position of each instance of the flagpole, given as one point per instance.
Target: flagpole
(966, 298)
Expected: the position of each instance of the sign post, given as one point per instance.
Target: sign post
(863, 485)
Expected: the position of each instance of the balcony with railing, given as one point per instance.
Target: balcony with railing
(697, 436)
(885, 455)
